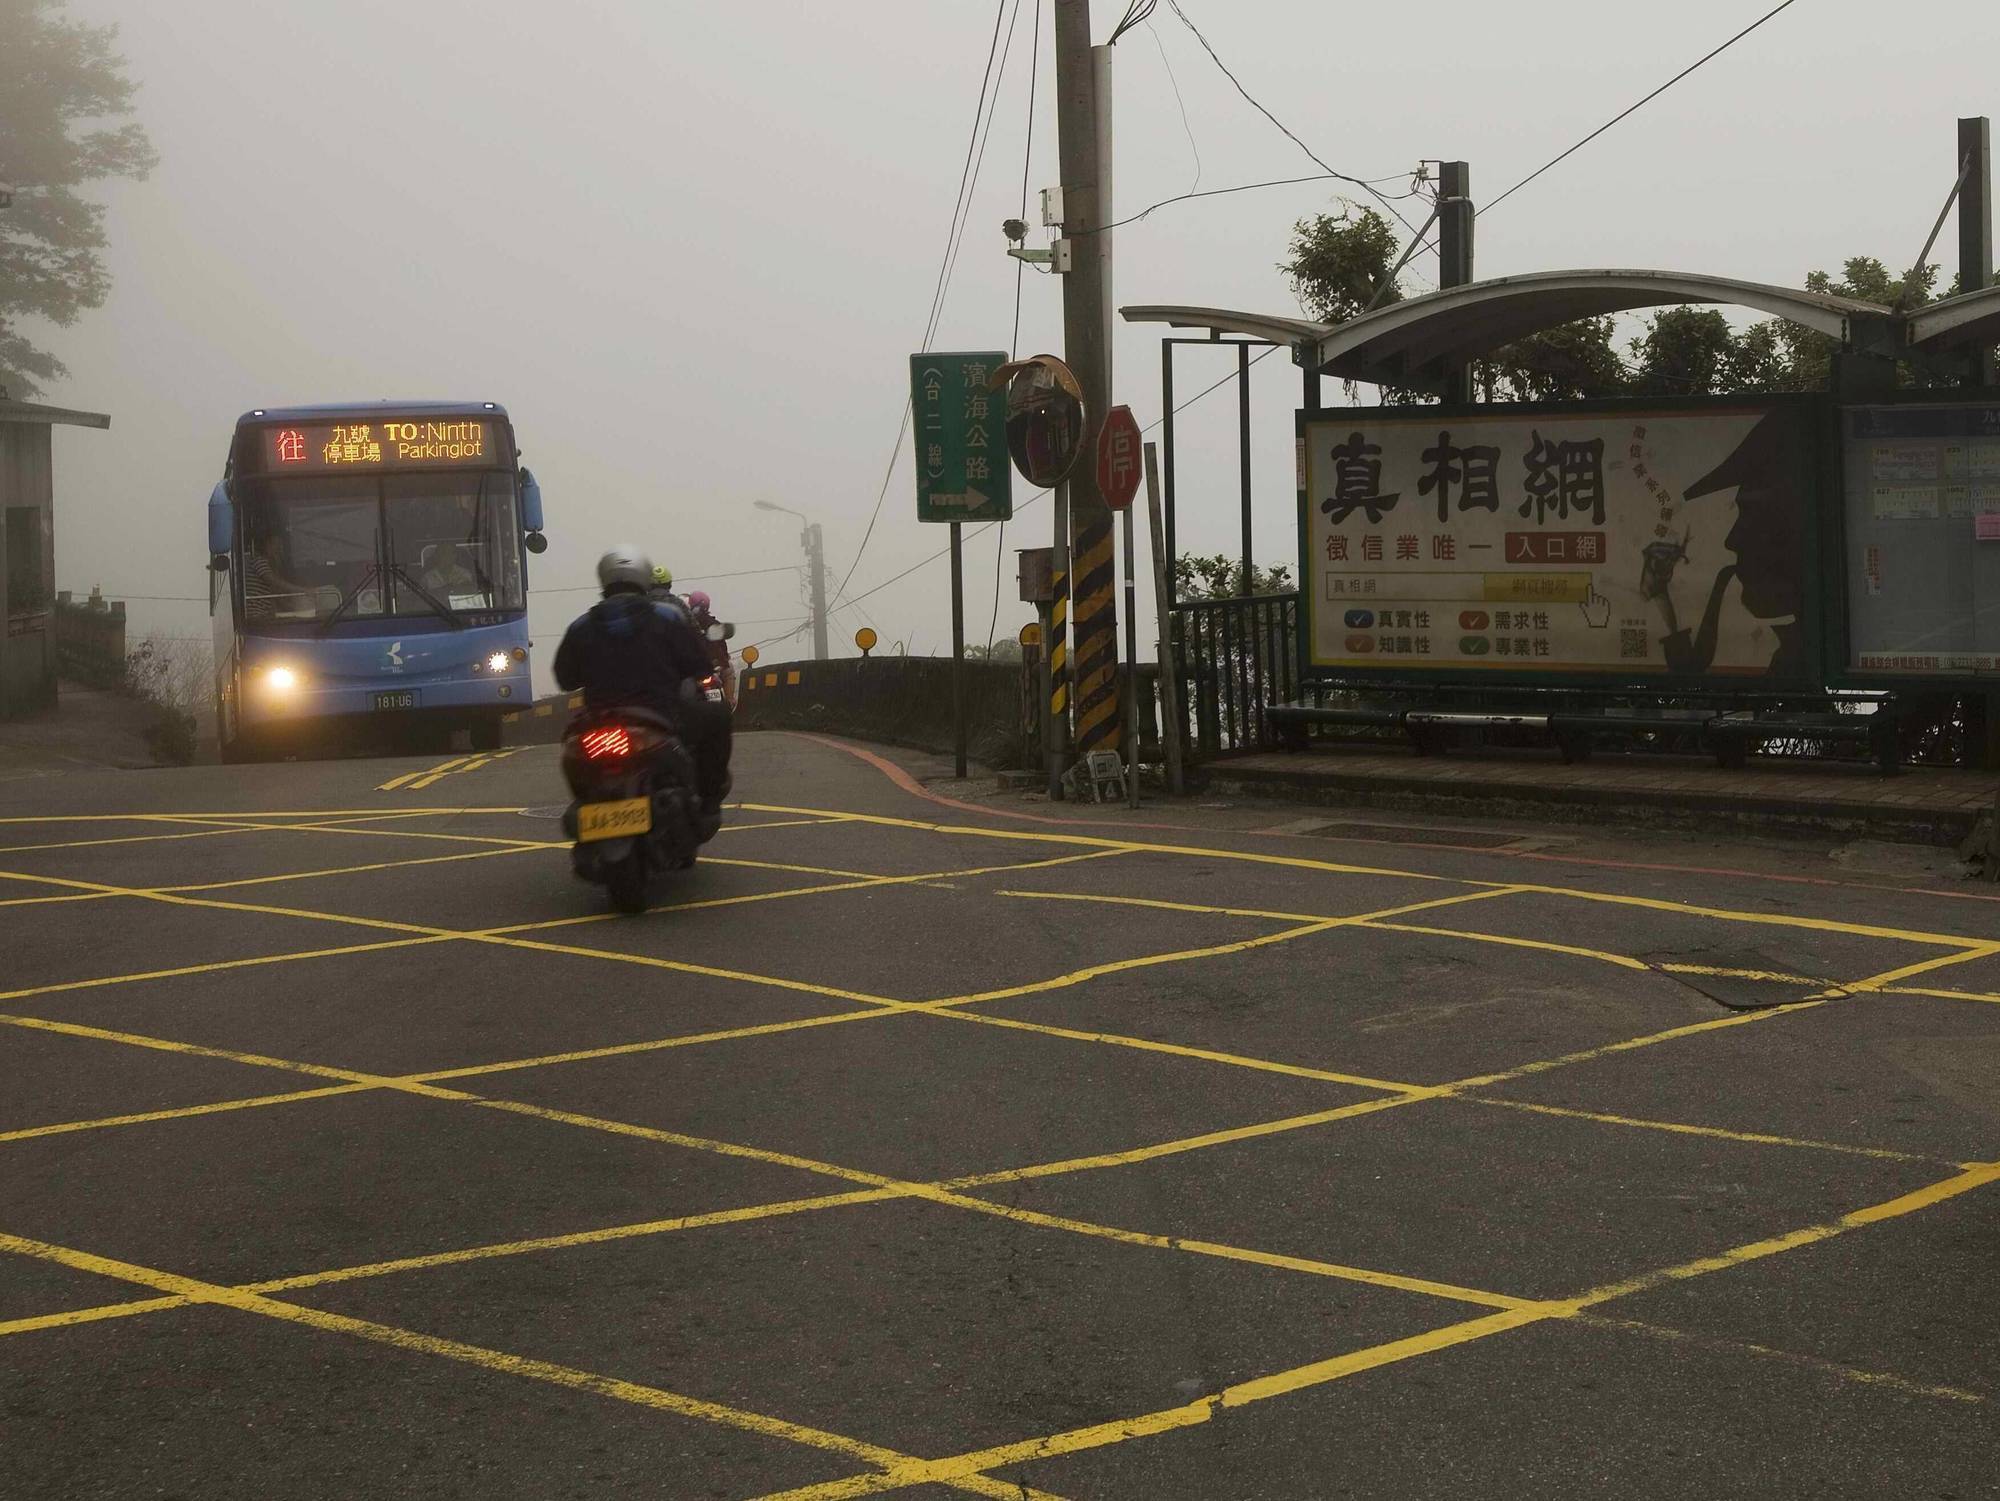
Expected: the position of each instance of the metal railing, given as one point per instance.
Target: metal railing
(1232, 658)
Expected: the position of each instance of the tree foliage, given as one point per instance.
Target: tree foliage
(1221, 577)
(1337, 263)
(63, 96)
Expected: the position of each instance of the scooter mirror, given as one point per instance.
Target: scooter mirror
(717, 631)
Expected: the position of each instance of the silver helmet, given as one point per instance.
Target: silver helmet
(624, 565)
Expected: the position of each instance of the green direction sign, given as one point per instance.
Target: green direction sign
(961, 427)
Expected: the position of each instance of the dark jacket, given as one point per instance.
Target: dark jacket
(627, 650)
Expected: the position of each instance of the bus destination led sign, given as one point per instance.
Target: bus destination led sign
(319, 447)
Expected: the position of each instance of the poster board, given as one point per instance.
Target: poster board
(1920, 487)
(1565, 544)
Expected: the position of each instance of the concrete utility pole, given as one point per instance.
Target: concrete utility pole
(1975, 227)
(1455, 253)
(815, 546)
(1083, 109)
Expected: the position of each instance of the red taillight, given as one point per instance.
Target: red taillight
(609, 743)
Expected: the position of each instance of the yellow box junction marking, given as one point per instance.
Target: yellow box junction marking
(968, 1470)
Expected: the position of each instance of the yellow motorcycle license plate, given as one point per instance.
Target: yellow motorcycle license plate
(619, 820)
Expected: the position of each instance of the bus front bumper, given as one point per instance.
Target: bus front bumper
(273, 699)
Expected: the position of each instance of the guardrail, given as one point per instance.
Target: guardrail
(1234, 657)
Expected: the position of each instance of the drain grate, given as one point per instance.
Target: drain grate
(1389, 833)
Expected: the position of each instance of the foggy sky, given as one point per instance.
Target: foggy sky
(689, 246)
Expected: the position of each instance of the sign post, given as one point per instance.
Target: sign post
(1118, 481)
(959, 477)
(1045, 416)
(1170, 693)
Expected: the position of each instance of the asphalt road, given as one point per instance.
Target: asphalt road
(934, 1146)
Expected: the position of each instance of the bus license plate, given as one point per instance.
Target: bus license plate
(619, 820)
(403, 699)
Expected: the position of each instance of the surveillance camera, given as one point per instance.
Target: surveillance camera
(1015, 230)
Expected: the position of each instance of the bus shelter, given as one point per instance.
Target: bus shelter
(1748, 552)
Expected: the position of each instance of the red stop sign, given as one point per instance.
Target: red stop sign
(1118, 458)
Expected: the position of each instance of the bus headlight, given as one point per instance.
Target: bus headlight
(497, 662)
(280, 679)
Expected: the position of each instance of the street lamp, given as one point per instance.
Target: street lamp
(815, 547)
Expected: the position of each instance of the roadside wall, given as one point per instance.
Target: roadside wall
(90, 639)
(897, 701)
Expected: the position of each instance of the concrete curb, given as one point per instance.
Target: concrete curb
(1679, 809)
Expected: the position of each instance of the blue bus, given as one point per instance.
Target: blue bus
(368, 578)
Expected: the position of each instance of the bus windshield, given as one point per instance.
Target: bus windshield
(339, 547)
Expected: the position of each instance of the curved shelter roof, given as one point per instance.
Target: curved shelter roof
(1973, 318)
(1416, 342)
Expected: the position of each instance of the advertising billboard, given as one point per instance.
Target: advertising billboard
(1921, 492)
(1617, 543)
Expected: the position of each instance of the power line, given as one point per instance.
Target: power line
(1640, 105)
(1629, 110)
(1166, 63)
(1135, 14)
(685, 578)
(1020, 266)
(961, 211)
(1241, 187)
(1318, 160)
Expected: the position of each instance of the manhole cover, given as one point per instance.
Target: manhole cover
(1389, 833)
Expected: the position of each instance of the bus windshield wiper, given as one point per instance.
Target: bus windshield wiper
(347, 600)
(437, 605)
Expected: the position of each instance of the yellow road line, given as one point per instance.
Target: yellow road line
(85, 844)
(625, 1049)
(235, 814)
(1942, 995)
(1184, 1144)
(1789, 1357)
(1374, 1357)
(1941, 961)
(1623, 961)
(779, 823)
(1971, 1176)
(1683, 1128)
(1173, 1049)
(345, 870)
(1201, 1410)
(1301, 862)
(216, 966)
(198, 1291)
(183, 1112)
(1606, 1050)
(430, 775)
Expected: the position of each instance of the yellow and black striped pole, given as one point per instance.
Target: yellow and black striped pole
(1055, 729)
(1091, 559)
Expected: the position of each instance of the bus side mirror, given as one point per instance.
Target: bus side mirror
(221, 521)
(531, 505)
(535, 542)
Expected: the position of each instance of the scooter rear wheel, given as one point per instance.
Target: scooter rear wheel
(625, 883)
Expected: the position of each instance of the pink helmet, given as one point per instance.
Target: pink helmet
(699, 602)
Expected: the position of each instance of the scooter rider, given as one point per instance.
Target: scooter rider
(631, 651)
(661, 590)
(702, 609)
